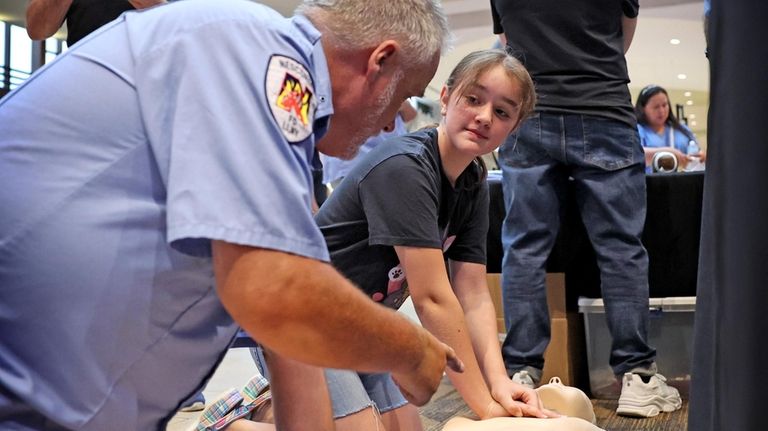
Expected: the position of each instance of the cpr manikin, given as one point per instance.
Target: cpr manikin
(570, 402)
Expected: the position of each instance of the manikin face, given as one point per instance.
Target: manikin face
(479, 120)
(353, 123)
(657, 110)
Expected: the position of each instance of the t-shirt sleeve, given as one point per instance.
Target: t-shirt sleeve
(630, 8)
(400, 201)
(472, 238)
(232, 173)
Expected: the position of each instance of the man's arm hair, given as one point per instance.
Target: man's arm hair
(305, 310)
(45, 17)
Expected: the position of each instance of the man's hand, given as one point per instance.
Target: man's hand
(519, 400)
(143, 4)
(419, 385)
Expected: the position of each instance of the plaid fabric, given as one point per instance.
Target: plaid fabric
(254, 388)
(233, 405)
(218, 409)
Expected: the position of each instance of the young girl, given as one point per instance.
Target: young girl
(411, 218)
(418, 201)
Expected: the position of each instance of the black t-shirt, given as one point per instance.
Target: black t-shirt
(574, 51)
(397, 194)
(85, 16)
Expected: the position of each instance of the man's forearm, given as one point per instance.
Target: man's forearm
(45, 17)
(289, 302)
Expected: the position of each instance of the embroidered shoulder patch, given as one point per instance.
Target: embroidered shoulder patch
(291, 97)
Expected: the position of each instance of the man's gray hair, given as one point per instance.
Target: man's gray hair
(420, 26)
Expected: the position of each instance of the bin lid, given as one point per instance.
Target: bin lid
(671, 304)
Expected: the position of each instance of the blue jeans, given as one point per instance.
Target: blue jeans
(605, 160)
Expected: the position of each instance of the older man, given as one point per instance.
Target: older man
(157, 194)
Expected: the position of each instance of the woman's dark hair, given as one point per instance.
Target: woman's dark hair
(642, 99)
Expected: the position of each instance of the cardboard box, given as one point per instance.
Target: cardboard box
(565, 355)
(494, 286)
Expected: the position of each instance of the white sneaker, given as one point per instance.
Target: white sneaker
(523, 378)
(640, 399)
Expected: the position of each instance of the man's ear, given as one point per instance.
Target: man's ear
(383, 58)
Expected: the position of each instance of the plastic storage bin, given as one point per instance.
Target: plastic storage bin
(670, 331)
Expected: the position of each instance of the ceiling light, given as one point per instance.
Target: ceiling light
(682, 76)
(692, 116)
(689, 102)
(693, 123)
(674, 41)
(687, 94)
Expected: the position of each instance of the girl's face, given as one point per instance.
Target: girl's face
(657, 110)
(479, 120)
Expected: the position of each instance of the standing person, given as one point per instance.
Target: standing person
(407, 209)
(660, 130)
(584, 128)
(146, 218)
(44, 17)
(728, 371)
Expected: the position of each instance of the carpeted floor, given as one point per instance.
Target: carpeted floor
(447, 403)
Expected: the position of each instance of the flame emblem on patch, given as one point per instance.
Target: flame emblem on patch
(290, 97)
(295, 99)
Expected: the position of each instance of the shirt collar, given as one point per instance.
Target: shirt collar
(321, 76)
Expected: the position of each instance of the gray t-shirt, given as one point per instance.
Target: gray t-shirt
(398, 195)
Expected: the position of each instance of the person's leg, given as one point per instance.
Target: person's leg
(610, 192)
(353, 408)
(405, 418)
(300, 399)
(396, 413)
(246, 425)
(608, 169)
(195, 403)
(533, 182)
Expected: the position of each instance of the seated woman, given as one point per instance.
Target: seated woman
(660, 130)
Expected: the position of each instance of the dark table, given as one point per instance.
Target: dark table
(671, 236)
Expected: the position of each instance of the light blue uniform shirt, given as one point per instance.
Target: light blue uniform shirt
(119, 163)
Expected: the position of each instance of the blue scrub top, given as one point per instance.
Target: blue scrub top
(671, 137)
(120, 162)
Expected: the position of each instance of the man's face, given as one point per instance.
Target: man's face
(366, 115)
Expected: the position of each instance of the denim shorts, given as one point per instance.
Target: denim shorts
(352, 392)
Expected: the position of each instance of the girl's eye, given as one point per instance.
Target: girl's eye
(501, 113)
(472, 100)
